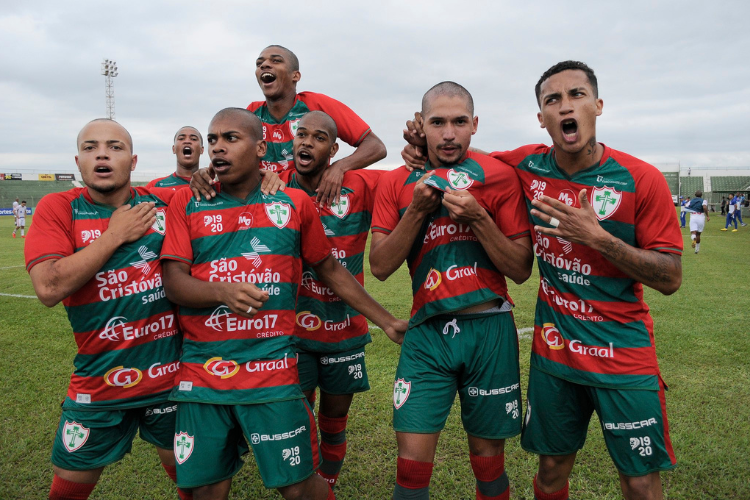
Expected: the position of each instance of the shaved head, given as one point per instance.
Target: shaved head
(190, 128)
(248, 120)
(290, 56)
(449, 89)
(323, 120)
(130, 138)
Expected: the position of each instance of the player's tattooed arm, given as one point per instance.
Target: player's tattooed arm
(55, 280)
(658, 270)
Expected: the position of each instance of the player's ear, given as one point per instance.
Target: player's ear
(174, 150)
(540, 117)
(296, 76)
(78, 164)
(599, 106)
(474, 125)
(261, 147)
(133, 161)
(334, 150)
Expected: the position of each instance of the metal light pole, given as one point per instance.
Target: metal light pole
(109, 70)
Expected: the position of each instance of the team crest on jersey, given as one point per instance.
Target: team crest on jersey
(605, 201)
(74, 435)
(341, 209)
(278, 213)
(183, 446)
(293, 126)
(459, 180)
(433, 279)
(401, 391)
(160, 225)
(552, 337)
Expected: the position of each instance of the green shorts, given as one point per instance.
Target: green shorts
(634, 422)
(87, 439)
(335, 373)
(474, 354)
(208, 442)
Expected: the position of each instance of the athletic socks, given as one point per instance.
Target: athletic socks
(332, 447)
(492, 481)
(412, 480)
(697, 247)
(62, 489)
(331, 495)
(557, 495)
(171, 471)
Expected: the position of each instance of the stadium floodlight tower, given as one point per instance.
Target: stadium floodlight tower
(109, 70)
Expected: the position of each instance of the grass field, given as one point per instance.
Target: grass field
(702, 343)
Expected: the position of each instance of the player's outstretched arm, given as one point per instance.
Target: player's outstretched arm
(658, 270)
(244, 299)
(55, 280)
(513, 258)
(369, 151)
(343, 284)
(389, 251)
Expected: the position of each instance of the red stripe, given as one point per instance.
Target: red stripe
(453, 288)
(242, 379)
(313, 437)
(241, 328)
(569, 304)
(128, 335)
(101, 391)
(667, 439)
(205, 222)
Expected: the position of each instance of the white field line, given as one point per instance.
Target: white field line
(18, 296)
(12, 267)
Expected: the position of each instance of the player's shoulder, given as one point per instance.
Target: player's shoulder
(63, 197)
(296, 197)
(256, 105)
(159, 195)
(489, 164)
(514, 157)
(318, 101)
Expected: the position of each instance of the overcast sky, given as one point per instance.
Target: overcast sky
(674, 76)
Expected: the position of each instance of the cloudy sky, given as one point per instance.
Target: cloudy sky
(674, 75)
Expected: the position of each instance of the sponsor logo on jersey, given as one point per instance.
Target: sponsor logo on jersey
(120, 376)
(308, 321)
(569, 197)
(459, 180)
(401, 391)
(146, 255)
(159, 224)
(552, 337)
(244, 221)
(74, 435)
(222, 319)
(433, 279)
(258, 248)
(183, 447)
(218, 318)
(605, 201)
(604, 180)
(341, 209)
(117, 329)
(577, 347)
(257, 438)
(326, 359)
(626, 426)
(328, 232)
(221, 368)
(477, 392)
(278, 213)
(87, 236)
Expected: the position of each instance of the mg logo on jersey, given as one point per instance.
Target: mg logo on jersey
(341, 209)
(278, 213)
(244, 221)
(293, 126)
(221, 368)
(401, 391)
(552, 337)
(74, 435)
(120, 376)
(218, 318)
(433, 279)
(605, 201)
(569, 197)
(308, 321)
(459, 180)
(183, 446)
(160, 225)
(142, 264)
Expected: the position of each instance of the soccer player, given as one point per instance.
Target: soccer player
(731, 211)
(234, 265)
(738, 209)
(96, 249)
(15, 217)
(331, 336)
(698, 209)
(461, 228)
(683, 211)
(20, 214)
(188, 148)
(277, 72)
(603, 228)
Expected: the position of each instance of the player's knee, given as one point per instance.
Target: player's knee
(305, 490)
(554, 468)
(646, 487)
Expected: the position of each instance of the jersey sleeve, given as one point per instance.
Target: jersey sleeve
(507, 202)
(253, 106)
(314, 245)
(516, 156)
(656, 226)
(166, 194)
(385, 213)
(177, 241)
(153, 183)
(367, 184)
(51, 236)
(351, 128)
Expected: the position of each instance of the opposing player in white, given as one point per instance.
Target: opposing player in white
(20, 214)
(698, 209)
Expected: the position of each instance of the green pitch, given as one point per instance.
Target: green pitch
(701, 339)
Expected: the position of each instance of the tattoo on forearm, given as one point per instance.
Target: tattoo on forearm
(650, 267)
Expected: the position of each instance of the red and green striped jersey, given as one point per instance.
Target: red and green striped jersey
(264, 240)
(325, 323)
(591, 324)
(279, 135)
(450, 269)
(125, 329)
(173, 181)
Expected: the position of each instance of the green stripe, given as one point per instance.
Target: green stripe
(119, 404)
(238, 349)
(141, 356)
(354, 223)
(451, 304)
(94, 316)
(600, 288)
(237, 396)
(329, 347)
(231, 244)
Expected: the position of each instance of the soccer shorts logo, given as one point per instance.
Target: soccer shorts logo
(183, 447)
(74, 436)
(401, 391)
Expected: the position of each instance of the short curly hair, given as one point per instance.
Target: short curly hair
(564, 66)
